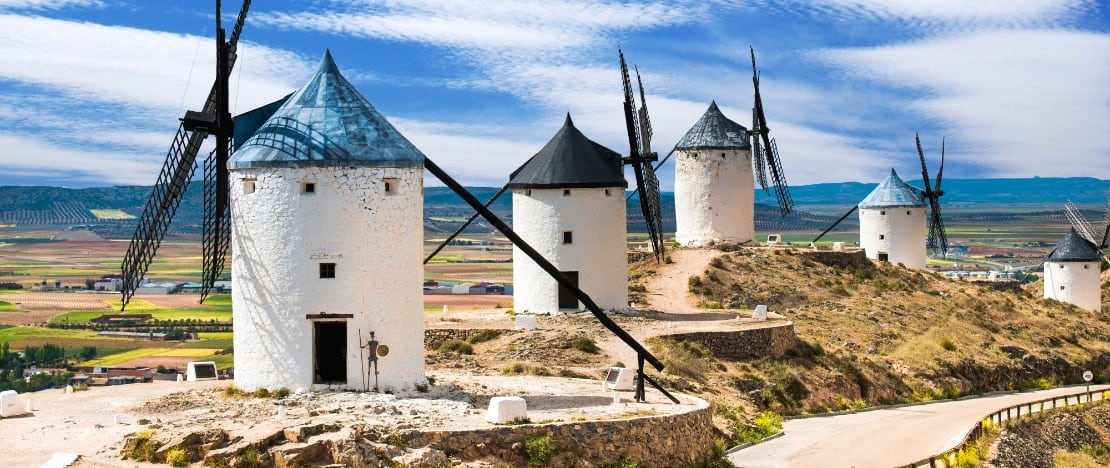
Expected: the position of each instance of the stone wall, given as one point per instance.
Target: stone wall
(1034, 443)
(679, 439)
(743, 344)
(856, 258)
(435, 337)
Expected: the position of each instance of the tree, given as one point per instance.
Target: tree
(88, 352)
(90, 283)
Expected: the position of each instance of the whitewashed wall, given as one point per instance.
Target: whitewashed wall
(279, 238)
(1073, 282)
(904, 233)
(714, 197)
(598, 253)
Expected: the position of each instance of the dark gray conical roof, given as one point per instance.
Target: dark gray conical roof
(892, 192)
(570, 160)
(1074, 248)
(714, 131)
(326, 122)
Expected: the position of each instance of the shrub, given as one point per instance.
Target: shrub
(484, 336)
(281, 393)
(694, 282)
(456, 346)
(261, 393)
(143, 448)
(177, 457)
(515, 368)
(395, 440)
(637, 288)
(768, 423)
(249, 459)
(947, 344)
(585, 344)
(538, 451)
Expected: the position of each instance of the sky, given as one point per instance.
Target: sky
(91, 90)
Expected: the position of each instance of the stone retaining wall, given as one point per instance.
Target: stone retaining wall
(743, 344)
(680, 439)
(831, 258)
(437, 336)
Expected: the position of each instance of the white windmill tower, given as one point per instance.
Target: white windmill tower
(327, 235)
(569, 204)
(714, 192)
(1071, 272)
(892, 223)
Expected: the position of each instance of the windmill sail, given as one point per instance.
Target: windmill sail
(177, 173)
(766, 157)
(1079, 222)
(938, 240)
(640, 158)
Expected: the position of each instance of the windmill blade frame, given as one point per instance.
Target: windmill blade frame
(938, 238)
(834, 224)
(767, 159)
(1079, 222)
(177, 172)
(641, 164)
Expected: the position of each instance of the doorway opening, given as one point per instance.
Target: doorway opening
(567, 299)
(329, 352)
(884, 257)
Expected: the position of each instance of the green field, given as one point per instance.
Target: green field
(203, 315)
(111, 214)
(10, 334)
(8, 307)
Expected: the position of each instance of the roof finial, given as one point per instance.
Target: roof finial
(713, 106)
(327, 64)
(568, 122)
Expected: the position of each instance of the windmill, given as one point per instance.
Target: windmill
(640, 158)
(177, 172)
(937, 239)
(1098, 235)
(765, 153)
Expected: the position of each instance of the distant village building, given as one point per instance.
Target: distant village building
(892, 226)
(568, 204)
(148, 287)
(109, 283)
(1071, 273)
(327, 236)
(713, 185)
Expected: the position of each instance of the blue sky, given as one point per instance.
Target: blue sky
(91, 90)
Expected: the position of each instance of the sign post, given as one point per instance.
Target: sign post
(1087, 376)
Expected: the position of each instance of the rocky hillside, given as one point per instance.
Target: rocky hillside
(878, 333)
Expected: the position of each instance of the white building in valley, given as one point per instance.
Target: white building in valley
(713, 185)
(1071, 273)
(892, 225)
(327, 233)
(568, 204)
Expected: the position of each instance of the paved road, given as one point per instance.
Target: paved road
(881, 438)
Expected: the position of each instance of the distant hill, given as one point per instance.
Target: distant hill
(1037, 190)
(444, 211)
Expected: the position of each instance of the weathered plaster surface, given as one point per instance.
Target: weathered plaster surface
(714, 197)
(898, 231)
(1073, 282)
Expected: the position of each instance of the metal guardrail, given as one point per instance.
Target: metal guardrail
(947, 458)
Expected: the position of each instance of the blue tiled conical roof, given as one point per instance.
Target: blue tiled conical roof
(326, 122)
(570, 160)
(892, 192)
(1074, 248)
(714, 131)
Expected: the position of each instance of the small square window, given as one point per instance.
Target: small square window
(528, 193)
(327, 270)
(1061, 287)
(1086, 267)
(1061, 266)
(566, 192)
(908, 212)
(568, 237)
(722, 155)
(391, 185)
(308, 187)
(882, 236)
(607, 192)
(882, 213)
(248, 186)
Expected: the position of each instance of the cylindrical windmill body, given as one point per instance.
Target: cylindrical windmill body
(1071, 273)
(311, 270)
(714, 197)
(713, 184)
(582, 232)
(892, 224)
(327, 236)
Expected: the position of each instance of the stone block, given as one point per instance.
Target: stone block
(760, 312)
(9, 404)
(506, 409)
(524, 322)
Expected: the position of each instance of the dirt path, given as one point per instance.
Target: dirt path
(668, 288)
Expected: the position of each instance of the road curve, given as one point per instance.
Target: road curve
(882, 438)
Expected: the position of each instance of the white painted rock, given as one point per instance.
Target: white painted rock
(506, 409)
(9, 404)
(760, 312)
(524, 322)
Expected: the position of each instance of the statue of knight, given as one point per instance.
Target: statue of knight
(372, 360)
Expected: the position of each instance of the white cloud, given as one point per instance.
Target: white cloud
(47, 4)
(96, 63)
(1017, 103)
(34, 157)
(1024, 13)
